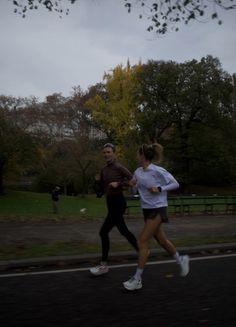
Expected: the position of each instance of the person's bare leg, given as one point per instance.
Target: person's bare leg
(150, 227)
(182, 261)
(162, 240)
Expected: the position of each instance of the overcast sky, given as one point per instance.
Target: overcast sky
(43, 54)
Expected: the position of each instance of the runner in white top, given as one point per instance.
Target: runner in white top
(152, 182)
(154, 176)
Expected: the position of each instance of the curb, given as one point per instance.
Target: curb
(90, 259)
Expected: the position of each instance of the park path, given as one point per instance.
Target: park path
(17, 232)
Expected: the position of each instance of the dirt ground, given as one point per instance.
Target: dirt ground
(14, 232)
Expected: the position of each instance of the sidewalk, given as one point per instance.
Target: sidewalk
(69, 231)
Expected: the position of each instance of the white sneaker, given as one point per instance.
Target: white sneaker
(184, 265)
(133, 284)
(99, 270)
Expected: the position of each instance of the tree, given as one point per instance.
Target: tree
(156, 97)
(212, 154)
(179, 103)
(84, 140)
(21, 7)
(18, 151)
(164, 15)
(114, 110)
(70, 153)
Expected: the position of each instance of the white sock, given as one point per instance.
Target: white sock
(138, 274)
(177, 257)
(103, 263)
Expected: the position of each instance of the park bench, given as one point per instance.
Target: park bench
(209, 204)
(134, 199)
(189, 204)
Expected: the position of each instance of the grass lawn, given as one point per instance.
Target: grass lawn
(26, 251)
(28, 206)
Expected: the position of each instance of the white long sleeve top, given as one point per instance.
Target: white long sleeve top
(154, 176)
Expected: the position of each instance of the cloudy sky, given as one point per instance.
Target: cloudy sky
(43, 54)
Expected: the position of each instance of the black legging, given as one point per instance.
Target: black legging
(116, 205)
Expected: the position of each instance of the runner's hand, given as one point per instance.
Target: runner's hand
(153, 189)
(132, 182)
(114, 184)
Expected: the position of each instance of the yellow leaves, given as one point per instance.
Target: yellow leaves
(115, 111)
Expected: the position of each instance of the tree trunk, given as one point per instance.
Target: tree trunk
(1, 178)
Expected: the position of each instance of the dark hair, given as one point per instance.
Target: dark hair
(152, 152)
(109, 145)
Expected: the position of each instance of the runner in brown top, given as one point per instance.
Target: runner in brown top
(110, 182)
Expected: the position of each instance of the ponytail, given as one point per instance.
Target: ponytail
(152, 152)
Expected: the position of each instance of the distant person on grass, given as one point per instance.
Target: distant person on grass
(152, 182)
(55, 199)
(112, 179)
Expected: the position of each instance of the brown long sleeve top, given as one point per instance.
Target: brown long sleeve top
(114, 172)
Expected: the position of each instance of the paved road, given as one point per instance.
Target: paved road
(206, 297)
